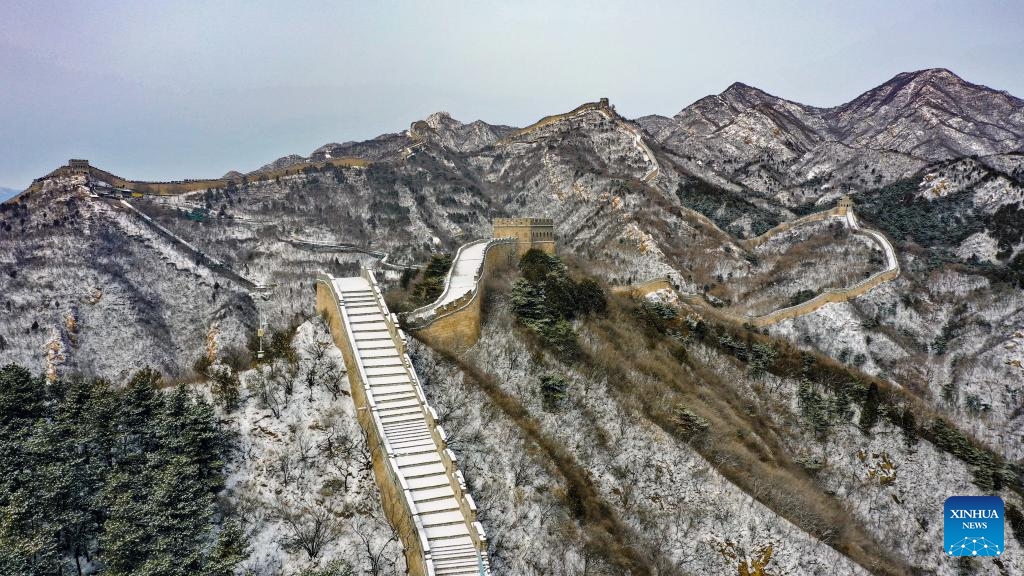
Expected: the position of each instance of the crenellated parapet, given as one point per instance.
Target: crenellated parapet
(529, 233)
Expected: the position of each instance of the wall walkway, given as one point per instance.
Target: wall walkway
(422, 490)
(830, 296)
(453, 320)
(201, 258)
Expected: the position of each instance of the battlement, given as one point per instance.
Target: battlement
(529, 232)
(523, 222)
(78, 165)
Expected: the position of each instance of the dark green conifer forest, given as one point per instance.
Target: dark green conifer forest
(121, 479)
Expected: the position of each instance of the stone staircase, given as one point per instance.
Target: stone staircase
(420, 467)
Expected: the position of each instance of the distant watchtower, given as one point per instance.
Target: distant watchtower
(76, 166)
(529, 232)
(845, 203)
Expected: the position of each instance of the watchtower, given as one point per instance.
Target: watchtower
(845, 203)
(77, 166)
(529, 232)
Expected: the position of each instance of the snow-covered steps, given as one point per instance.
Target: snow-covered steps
(421, 483)
(461, 279)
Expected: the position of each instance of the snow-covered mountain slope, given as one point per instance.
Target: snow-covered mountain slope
(787, 150)
(83, 279)
(301, 480)
(932, 161)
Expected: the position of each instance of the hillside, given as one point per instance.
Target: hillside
(794, 153)
(661, 404)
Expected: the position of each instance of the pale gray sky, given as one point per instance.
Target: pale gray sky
(168, 90)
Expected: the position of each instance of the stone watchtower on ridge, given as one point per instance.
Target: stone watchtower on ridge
(529, 233)
(76, 166)
(844, 204)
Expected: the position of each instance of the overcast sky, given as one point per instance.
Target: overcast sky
(170, 90)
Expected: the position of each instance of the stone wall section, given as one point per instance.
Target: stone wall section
(397, 493)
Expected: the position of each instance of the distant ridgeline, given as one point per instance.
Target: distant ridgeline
(79, 166)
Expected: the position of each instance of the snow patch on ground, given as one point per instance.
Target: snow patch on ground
(979, 245)
(933, 186)
(302, 458)
(996, 192)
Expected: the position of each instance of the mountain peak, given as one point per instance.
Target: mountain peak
(745, 91)
(442, 119)
(740, 87)
(742, 95)
(934, 74)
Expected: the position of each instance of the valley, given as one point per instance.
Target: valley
(765, 338)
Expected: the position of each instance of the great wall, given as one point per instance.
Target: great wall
(453, 320)
(844, 211)
(145, 188)
(423, 492)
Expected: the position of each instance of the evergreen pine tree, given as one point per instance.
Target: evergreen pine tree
(869, 410)
(182, 510)
(195, 435)
(126, 541)
(908, 423)
(232, 549)
(141, 403)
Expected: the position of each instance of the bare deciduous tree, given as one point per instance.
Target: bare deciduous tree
(379, 543)
(310, 526)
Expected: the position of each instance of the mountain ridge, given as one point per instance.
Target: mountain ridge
(97, 280)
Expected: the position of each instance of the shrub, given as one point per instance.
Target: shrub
(687, 423)
(562, 339)
(332, 568)
(591, 298)
(869, 409)
(654, 317)
(553, 389)
(430, 287)
(813, 408)
(801, 297)
(225, 387)
(201, 365)
(762, 356)
(1016, 520)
